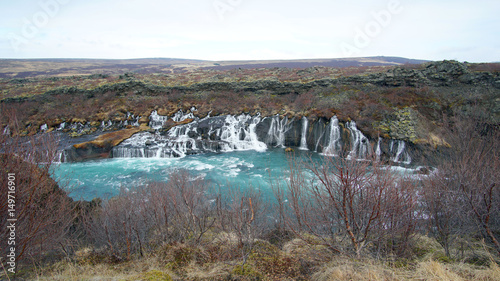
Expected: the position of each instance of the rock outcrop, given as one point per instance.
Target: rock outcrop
(244, 132)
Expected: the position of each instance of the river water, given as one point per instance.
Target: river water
(244, 169)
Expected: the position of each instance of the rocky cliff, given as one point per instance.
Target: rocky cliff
(397, 104)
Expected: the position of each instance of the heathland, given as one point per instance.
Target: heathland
(345, 220)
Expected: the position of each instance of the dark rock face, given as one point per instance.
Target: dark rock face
(245, 132)
(89, 152)
(316, 138)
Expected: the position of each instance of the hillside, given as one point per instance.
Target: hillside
(372, 96)
(23, 68)
(178, 230)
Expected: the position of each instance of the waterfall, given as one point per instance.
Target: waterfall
(360, 146)
(238, 133)
(243, 132)
(333, 148)
(6, 130)
(303, 135)
(181, 116)
(401, 155)
(61, 126)
(277, 130)
(156, 121)
(231, 133)
(179, 140)
(149, 145)
(135, 122)
(61, 156)
(316, 148)
(378, 152)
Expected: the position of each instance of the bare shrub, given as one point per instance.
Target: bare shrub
(42, 209)
(175, 211)
(337, 200)
(241, 213)
(463, 197)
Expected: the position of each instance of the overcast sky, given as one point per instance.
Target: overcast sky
(463, 30)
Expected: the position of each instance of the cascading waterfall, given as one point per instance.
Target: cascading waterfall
(148, 145)
(181, 116)
(401, 155)
(378, 151)
(156, 121)
(277, 130)
(333, 148)
(316, 148)
(61, 156)
(238, 133)
(179, 140)
(360, 144)
(303, 136)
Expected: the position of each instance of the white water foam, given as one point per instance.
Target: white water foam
(277, 130)
(400, 155)
(156, 121)
(303, 135)
(360, 145)
(238, 134)
(334, 147)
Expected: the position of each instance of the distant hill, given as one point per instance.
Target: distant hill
(336, 63)
(23, 68)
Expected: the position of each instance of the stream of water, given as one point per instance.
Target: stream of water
(245, 169)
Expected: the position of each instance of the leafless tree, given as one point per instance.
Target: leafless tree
(241, 212)
(42, 208)
(146, 216)
(463, 197)
(338, 198)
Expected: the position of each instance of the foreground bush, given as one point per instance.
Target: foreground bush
(37, 215)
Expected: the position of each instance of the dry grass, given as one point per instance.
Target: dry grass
(339, 269)
(144, 269)
(352, 270)
(431, 270)
(322, 267)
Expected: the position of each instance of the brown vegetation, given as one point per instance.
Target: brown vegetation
(43, 212)
(348, 200)
(337, 219)
(462, 199)
(352, 219)
(374, 97)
